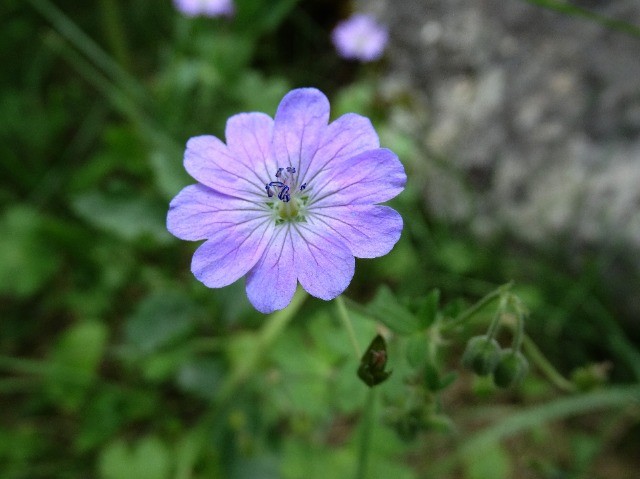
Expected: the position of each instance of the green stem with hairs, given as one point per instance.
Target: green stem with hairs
(343, 314)
(543, 364)
(368, 418)
(272, 328)
(468, 313)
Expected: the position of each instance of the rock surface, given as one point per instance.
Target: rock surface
(531, 117)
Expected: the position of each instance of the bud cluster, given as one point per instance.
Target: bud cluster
(484, 356)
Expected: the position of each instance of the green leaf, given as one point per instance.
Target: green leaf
(127, 216)
(75, 360)
(417, 350)
(201, 377)
(428, 311)
(28, 260)
(385, 308)
(490, 460)
(160, 319)
(148, 459)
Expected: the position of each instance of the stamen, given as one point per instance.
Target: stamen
(284, 194)
(282, 187)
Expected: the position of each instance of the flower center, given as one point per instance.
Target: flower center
(284, 188)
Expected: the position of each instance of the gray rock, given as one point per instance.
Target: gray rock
(529, 119)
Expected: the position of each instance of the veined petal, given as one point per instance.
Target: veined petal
(300, 122)
(368, 230)
(231, 252)
(272, 281)
(370, 177)
(198, 212)
(344, 138)
(209, 161)
(249, 139)
(324, 264)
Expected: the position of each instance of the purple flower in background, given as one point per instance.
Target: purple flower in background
(207, 8)
(360, 37)
(287, 200)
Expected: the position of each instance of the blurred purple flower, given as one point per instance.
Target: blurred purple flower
(360, 37)
(287, 200)
(207, 8)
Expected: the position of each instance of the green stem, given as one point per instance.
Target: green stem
(368, 418)
(85, 44)
(115, 32)
(272, 328)
(521, 313)
(534, 417)
(518, 336)
(543, 364)
(346, 320)
(470, 312)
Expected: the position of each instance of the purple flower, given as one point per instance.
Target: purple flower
(207, 8)
(360, 37)
(287, 200)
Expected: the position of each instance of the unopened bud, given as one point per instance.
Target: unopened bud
(481, 355)
(511, 369)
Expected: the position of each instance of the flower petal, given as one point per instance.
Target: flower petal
(231, 252)
(370, 177)
(249, 139)
(209, 161)
(198, 212)
(300, 122)
(344, 138)
(272, 281)
(369, 231)
(324, 264)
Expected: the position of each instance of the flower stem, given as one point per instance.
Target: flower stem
(368, 417)
(272, 328)
(470, 312)
(552, 374)
(346, 320)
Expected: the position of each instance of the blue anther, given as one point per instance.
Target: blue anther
(291, 169)
(267, 187)
(279, 172)
(304, 185)
(284, 194)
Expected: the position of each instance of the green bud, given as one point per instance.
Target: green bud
(511, 369)
(481, 355)
(373, 363)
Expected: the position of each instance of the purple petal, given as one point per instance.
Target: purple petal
(344, 138)
(324, 264)
(369, 231)
(370, 177)
(209, 161)
(198, 212)
(272, 281)
(300, 122)
(231, 252)
(249, 138)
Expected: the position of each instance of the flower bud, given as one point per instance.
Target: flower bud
(481, 355)
(373, 363)
(511, 369)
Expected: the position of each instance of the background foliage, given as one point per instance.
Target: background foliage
(117, 363)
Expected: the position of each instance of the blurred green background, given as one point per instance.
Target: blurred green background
(116, 363)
